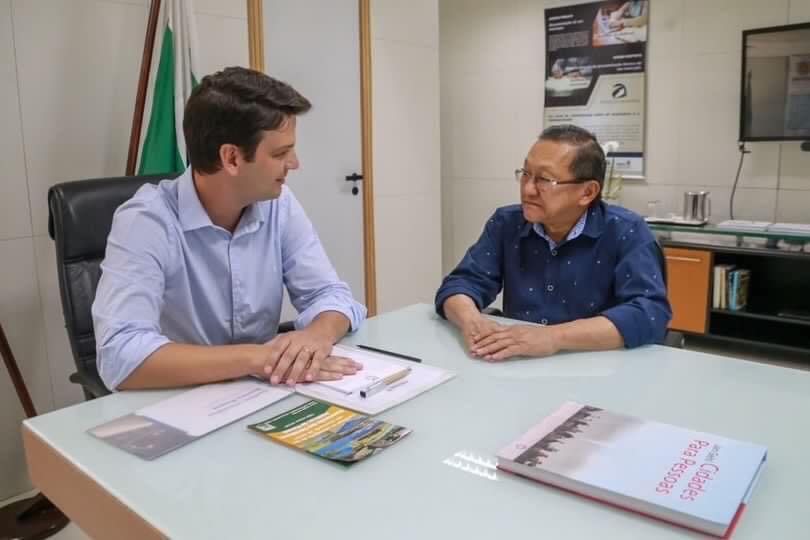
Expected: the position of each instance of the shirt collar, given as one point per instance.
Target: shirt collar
(593, 220)
(575, 231)
(596, 220)
(191, 211)
(193, 214)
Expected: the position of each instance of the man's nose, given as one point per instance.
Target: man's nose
(530, 188)
(292, 162)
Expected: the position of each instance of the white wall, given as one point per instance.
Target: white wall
(492, 60)
(405, 126)
(68, 75)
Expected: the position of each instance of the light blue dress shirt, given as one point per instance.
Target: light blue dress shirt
(575, 231)
(170, 275)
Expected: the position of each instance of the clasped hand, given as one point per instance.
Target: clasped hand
(488, 340)
(302, 356)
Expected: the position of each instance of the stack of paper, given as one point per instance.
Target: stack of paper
(421, 378)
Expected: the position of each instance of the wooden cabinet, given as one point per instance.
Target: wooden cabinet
(689, 284)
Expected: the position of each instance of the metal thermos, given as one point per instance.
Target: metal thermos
(697, 206)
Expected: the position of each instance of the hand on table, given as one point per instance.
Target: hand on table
(518, 340)
(477, 329)
(303, 356)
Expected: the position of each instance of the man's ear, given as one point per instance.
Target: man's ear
(590, 193)
(231, 158)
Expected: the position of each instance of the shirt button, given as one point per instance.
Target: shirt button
(544, 321)
(550, 288)
(554, 252)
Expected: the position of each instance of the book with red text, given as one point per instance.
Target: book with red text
(688, 478)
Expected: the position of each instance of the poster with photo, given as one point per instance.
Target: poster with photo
(596, 56)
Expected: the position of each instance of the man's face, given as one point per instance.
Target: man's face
(275, 156)
(543, 202)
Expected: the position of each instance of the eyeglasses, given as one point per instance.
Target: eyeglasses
(542, 183)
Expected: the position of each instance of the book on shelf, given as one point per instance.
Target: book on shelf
(330, 432)
(738, 289)
(720, 286)
(687, 478)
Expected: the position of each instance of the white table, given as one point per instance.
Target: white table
(233, 484)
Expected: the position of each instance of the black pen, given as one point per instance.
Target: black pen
(390, 353)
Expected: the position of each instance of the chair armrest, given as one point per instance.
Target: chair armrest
(286, 326)
(91, 383)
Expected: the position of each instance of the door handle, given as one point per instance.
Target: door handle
(354, 177)
(683, 259)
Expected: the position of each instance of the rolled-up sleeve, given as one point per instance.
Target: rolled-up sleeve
(643, 311)
(479, 274)
(129, 298)
(309, 276)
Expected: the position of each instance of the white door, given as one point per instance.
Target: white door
(314, 45)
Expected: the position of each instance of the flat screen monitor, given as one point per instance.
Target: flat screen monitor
(775, 97)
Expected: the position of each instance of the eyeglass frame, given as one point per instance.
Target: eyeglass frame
(546, 182)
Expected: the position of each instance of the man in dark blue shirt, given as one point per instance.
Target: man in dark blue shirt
(588, 273)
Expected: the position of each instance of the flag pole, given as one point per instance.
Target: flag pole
(143, 82)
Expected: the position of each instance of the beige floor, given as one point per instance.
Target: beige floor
(790, 360)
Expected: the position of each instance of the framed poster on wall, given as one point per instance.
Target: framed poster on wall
(596, 58)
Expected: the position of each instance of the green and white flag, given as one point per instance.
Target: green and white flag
(173, 74)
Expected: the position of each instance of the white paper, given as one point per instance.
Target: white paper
(206, 408)
(375, 368)
(421, 378)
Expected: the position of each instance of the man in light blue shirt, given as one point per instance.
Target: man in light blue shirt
(193, 275)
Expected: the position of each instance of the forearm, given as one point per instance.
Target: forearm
(331, 325)
(176, 364)
(593, 334)
(460, 309)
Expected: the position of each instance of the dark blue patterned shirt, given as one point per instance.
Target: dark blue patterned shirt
(613, 269)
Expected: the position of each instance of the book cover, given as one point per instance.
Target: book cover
(739, 289)
(721, 284)
(331, 432)
(689, 478)
(731, 289)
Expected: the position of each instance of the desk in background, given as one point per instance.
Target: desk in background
(234, 484)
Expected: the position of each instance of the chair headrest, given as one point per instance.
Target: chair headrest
(80, 213)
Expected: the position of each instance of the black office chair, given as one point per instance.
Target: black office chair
(79, 221)
(671, 339)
